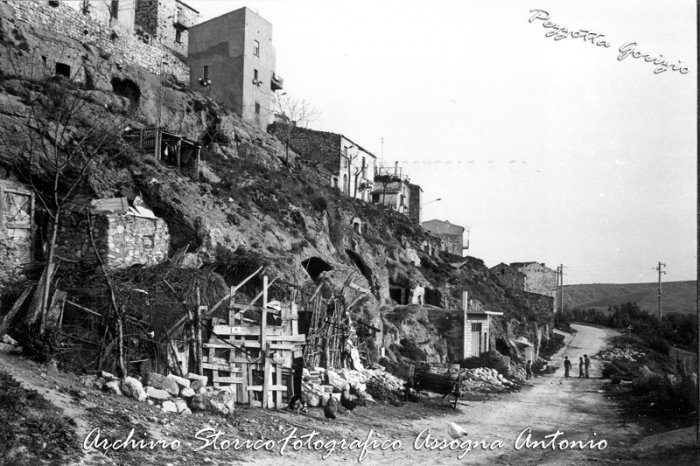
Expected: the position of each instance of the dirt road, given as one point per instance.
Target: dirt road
(575, 407)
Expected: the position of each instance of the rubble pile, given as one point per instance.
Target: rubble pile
(628, 353)
(320, 384)
(484, 378)
(172, 393)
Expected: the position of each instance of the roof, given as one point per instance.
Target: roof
(332, 134)
(83, 205)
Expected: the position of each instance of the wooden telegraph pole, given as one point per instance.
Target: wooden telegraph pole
(660, 272)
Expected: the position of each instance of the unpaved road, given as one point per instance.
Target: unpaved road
(576, 407)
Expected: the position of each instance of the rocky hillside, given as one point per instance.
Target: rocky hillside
(251, 207)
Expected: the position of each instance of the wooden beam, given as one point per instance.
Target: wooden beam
(221, 367)
(244, 330)
(272, 388)
(227, 379)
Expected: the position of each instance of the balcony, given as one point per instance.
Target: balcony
(276, 83)
(184, 21)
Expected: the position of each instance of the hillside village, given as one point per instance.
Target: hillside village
(152, 186)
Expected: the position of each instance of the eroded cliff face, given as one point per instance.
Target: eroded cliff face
(251, 204)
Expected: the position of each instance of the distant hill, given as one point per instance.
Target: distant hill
(677, 296)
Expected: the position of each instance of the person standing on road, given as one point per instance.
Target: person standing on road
(586, 364)
(528, 370)
(567, 366)
(580, 368)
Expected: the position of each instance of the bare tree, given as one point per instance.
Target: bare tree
(55, 136)
(293, 114)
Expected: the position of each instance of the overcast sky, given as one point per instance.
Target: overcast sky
(547, 150)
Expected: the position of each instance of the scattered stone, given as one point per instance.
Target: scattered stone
(113, 387)
(187, 393)
(169, 406)
(5, 348)
(8, 340)
(180, 404)
(133, 388)
(156, 393)
(183, 383)
(336, 381)
(107, 375)
(162, 382)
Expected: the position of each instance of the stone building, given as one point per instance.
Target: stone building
(509, 276)
(467, 330)
(351, 167)
(232, 60)
(414, 208)
(530, 277)
(393, 189)
(452, 236)
(16, 228)
(55, 55)
(124, 235)
(539, 279)
(164, 21)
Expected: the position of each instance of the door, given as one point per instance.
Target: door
(476, 339)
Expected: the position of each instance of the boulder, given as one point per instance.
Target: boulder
(5, 348)
(169, 406)
(183, 383)
(162, 382)
(8, 340)
(180, 404)
(220, 402)
(113, 387)
(336, 381)
(133, 388)
(197, 381)
(156, 393)
(187, 393)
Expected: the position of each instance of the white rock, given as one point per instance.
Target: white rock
(156, 393)
(113, 387)
(187, 393)
(183, 383)
(133, 388)
(8, 340)
(169, 406)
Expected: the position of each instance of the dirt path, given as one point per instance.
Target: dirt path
(553, 403)
(576, 407)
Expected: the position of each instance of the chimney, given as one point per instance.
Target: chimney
(465, 301)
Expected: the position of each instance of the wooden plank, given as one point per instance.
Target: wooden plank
(245, 330)
(278, 393)
(221, 367)
(263, 328)
(274, 388)
(230, 380)
(275, 346)
(5, 321)
(298, 338)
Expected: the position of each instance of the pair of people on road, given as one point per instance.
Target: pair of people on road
(583, 365)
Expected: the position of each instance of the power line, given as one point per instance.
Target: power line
(660, 272)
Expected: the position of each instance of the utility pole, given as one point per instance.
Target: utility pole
(561, 294)
(660, 272)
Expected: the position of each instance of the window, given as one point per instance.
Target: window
(255, 76)
(53, 3)
(257, 108)
(178, 36)
(114, 10)
(256, 48)
(205, 72)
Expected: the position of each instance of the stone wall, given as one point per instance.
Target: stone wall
(123, 47)
(543, 305)
(122, 240)
(416, 199)
(509, 276)
(317, 146)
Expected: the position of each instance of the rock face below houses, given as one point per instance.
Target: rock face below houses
(257, 210)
